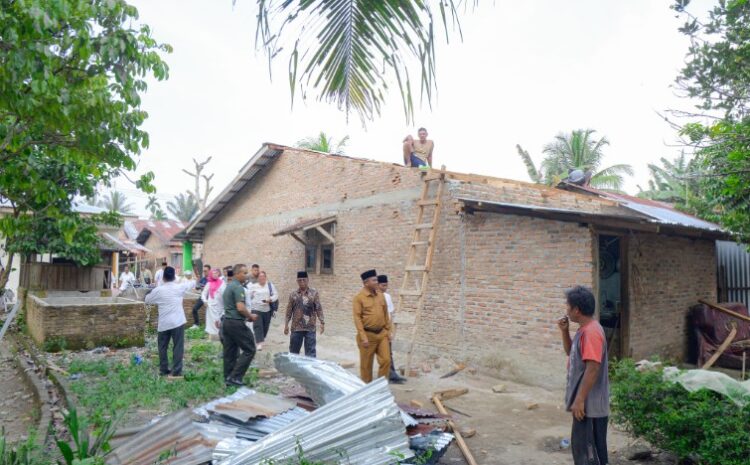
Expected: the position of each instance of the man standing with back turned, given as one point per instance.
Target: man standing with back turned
(171, 325)
(236, 336)
(373, 327)
(587, 390)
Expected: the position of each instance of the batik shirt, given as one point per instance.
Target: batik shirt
(304, 310)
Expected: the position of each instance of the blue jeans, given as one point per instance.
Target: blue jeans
(296, 340)
(416, 162)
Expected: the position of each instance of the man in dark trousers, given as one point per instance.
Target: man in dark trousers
(199, 302)
(171, 326)
(373, 327)
(236, 336)
(393, 377)
(302, 311)
(587, 390)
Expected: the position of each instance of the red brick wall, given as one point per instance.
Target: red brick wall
(667, 276)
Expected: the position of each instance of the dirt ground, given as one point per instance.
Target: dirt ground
(16, 399)
(524, 425)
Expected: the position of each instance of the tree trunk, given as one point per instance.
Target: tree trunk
(6, 270)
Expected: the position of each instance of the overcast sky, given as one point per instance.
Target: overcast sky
(525, 71)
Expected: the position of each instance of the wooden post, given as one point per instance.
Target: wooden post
(744, 353)
(725, 310)
(459, 439)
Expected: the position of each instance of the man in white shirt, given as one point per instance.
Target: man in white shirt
(168, 298)
(394, 377)
(127, 279)
(159, 276)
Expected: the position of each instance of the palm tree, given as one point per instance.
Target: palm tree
(324, 143)
(578, 150)
(116, 202)
(183, 207)
(670, 182)
(348, 51)
(153, 205)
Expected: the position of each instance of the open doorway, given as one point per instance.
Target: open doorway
(611, 296)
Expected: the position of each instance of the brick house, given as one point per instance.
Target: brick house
(158, 236)
(505, 252)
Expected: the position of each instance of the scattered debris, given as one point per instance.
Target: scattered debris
(459, 439)
(532, 406)
(426, 368)
(460, 367)
(416, 403)
(457, 411)
(450, 393)
(324, 381)
(468, 432)
(368, 413)
(348, 365)
(267, 373)
(498, 388)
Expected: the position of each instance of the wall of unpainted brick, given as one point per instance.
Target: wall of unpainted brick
(667, 276)
(374, 204)
(85, 326)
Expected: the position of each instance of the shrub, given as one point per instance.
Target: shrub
(703, 426)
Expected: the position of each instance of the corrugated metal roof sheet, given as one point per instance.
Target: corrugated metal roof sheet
(363, 427)
(175, 434)
(324, 381)
(659, 212)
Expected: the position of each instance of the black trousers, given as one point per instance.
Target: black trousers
(393, 374)
(196, 307)
(177, 335)
(588, 441)
(261, 325)
(296, 340)
(239, 348)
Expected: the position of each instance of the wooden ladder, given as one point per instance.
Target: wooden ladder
(418, 265)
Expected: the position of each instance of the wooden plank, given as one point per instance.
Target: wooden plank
(298, 239)
(413, 293)
(325, 234)
(451, 393)
(420, 243)
(424, 203)
(416, 268)
(725, 310)
(721, 349)
(424, 226)
(459, 439)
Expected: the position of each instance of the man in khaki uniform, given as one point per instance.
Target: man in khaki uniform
(373, 327)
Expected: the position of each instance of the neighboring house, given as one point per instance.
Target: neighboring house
(505, 253)
(158, 236)
(46, 271)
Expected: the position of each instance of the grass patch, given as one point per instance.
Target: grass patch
(111, 386)
(195, 334)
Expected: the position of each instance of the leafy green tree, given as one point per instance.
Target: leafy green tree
(578, 150)
(671, 182)
(717, 73)
(71, 75)
(116, 202)
(324, 143)
(349, 52)
(184, 207)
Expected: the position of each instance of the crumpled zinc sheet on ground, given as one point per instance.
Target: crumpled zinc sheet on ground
(361, 428)
(694, 380)
(324, 381)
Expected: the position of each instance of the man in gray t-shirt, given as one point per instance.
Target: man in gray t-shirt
(587, 390)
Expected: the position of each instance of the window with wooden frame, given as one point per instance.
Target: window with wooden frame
(326, 258)
(311, 258)
(318, 238)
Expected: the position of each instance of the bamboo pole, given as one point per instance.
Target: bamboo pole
(721, 348)
(726, 310)
(459, 439)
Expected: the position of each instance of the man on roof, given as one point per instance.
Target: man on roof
(418, 153)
